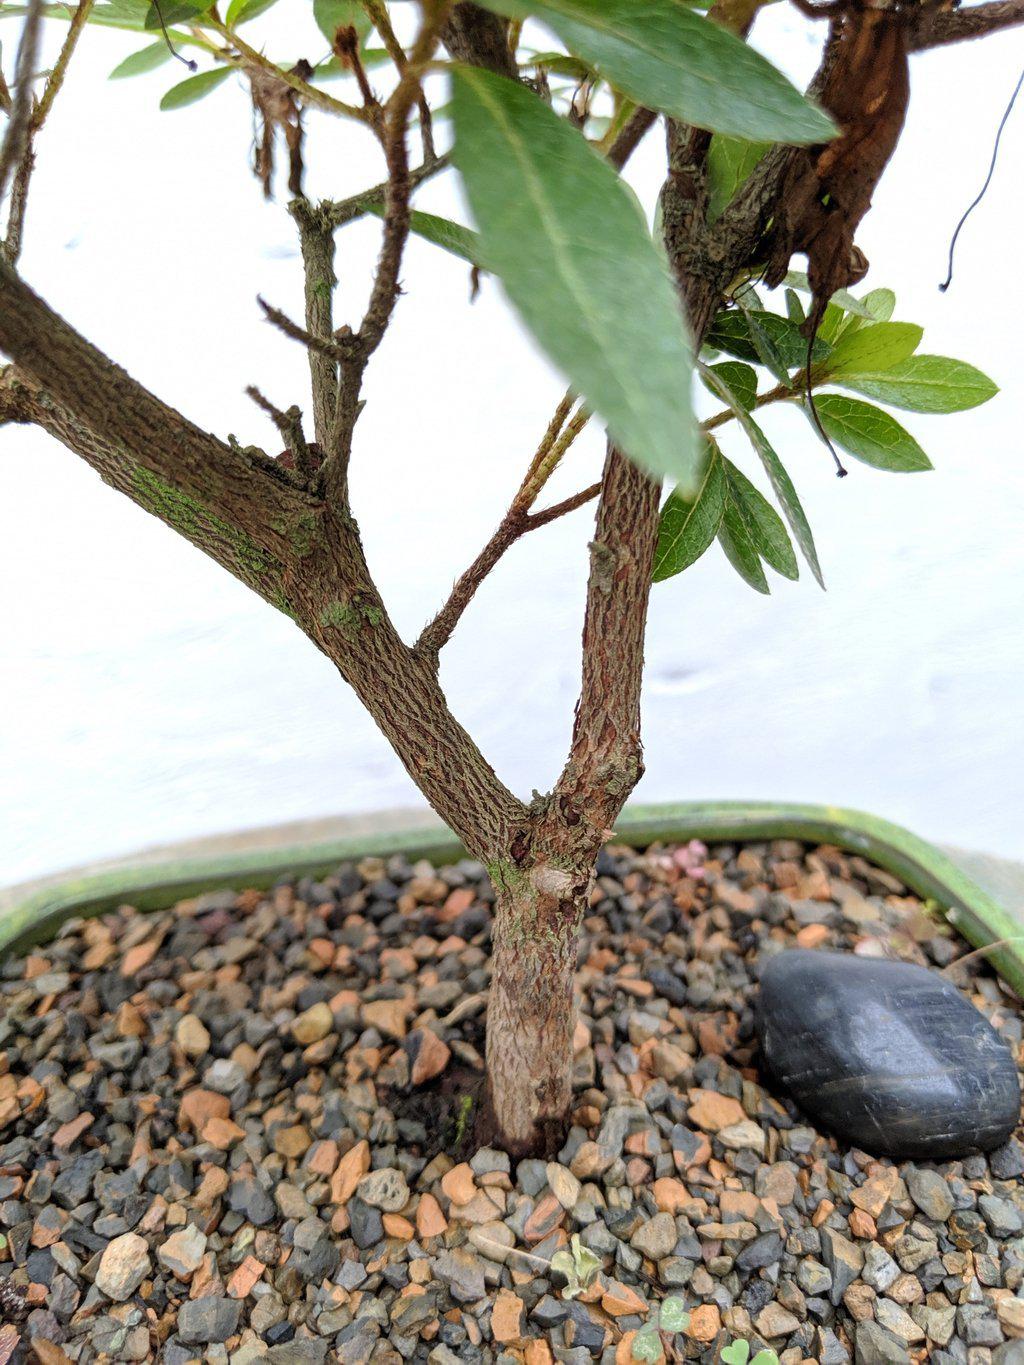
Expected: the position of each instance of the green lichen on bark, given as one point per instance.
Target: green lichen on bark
(350, 617)
(226, 543)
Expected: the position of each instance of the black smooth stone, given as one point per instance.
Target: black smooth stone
(889, 1056)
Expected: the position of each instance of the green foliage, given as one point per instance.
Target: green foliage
(452, 237)
(876, 347)
(781, 483)
(738, 332)
(924, 383)
(870, 434)
(577, 1265)
(668, 57)
(146, 59)
(195, 88)
(689, 525)
(730, 162)
(579, 266)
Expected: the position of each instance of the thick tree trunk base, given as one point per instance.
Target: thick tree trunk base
(530, 1013)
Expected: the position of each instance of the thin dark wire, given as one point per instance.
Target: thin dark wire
(988, 180)
(186, 61)
(841, 470)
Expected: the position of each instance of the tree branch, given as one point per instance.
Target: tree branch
(18, 132)
(138, 442)
(478, 36)
(23, 174)
(515, 523)
(937, 27)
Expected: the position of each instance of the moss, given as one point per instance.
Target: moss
(303, 534)
(190, 518)
(350, 617)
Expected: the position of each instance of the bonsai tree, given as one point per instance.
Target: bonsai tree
(537, 105)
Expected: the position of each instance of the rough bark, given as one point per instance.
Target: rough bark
(530, 1017)
(476, 35)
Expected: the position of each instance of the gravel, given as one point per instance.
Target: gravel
(234, 1132)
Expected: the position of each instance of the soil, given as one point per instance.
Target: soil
(242, 1130)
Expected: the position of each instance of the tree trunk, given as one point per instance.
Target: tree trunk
(530, 1015)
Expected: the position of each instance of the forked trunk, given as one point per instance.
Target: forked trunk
(530, 1014)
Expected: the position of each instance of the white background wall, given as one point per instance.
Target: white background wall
(147, 696)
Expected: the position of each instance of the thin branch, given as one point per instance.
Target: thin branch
(629, 136)
(289, 425)
(561, 509)
(316, 239)
(938, 27)
(381, 19)
(338, 213)
(19, 125)
(292, 329)
(23, 174)
(516, 522)
(311, 95)
(359, 346)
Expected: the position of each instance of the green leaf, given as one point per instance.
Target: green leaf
(794, 308)
(674, 1317)
(797, 279)
(759, 522)
(330, 15)
(162, 13)
(146, 59)
(241, 11)
(689, 525)
(874, 348)
(587, 1262)
(730, 162)
(765, 1358)
(880, 304)
(579, 266)
(926, 383)
(730, 332)
(736, 1353)
(666, 57)
(782, 484)
(870, 434)
(460, 241)
(741, 379)
(195, 87)
(646, 1345)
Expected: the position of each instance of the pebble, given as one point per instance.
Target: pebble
(889, 1055)
(123, 1266)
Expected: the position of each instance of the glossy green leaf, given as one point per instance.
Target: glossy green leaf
(870, 434)
(877, 347)
(730, 332)
(689, 525)
(146, 59)
(763, 524)
(926, 383)
(330, 15)
(453, 237)
(195, 87)
(730, 162)
(665, 56)
(241, 11)
(782, 484)
(741, 379)
(579, 266)
(674, 1316)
